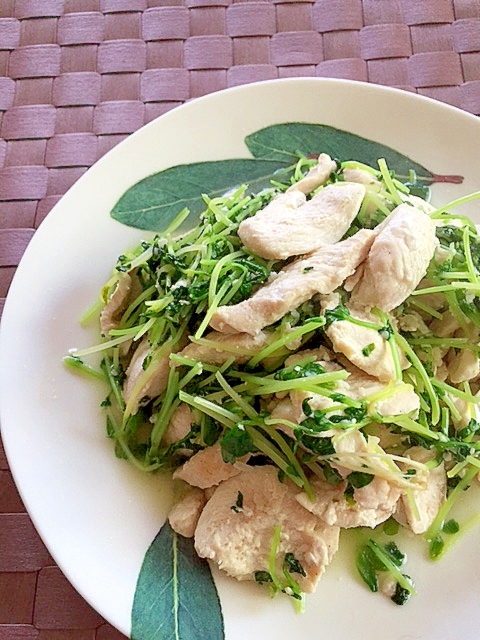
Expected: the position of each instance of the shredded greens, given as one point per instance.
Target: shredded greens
(176, 283)
(282, 580)
(377, 561)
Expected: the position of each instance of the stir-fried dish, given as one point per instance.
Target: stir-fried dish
(305, 360)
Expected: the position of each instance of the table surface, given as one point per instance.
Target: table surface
(78, 76)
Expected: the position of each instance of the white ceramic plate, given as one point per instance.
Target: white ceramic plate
(95, 513)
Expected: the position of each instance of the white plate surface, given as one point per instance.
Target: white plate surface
(95, 513)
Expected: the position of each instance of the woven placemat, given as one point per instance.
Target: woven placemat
(78, 76)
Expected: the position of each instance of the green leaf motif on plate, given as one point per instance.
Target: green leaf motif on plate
(281, 142)
(152, 203)
(175, 596)
(156, 200)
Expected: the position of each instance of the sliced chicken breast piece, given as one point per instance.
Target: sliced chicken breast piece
(403, 398)
(206, 468)
(446, 326)
(320, 272)
(180, 425)
(420, 203)
(358, 386)
(365, 347)
(240, 346)
(149, 382)
(290, 407)
(125, 291)
(239, 540)
(257, 232)
(371, 505)
(286, 409)
(184, 515)
(362, 177)
(316, 176)
(286, 228)
(398, 259)
(466, 411)
(420, 509)
(463, 366)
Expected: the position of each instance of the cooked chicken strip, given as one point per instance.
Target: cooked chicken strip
(362, 346)
(287, 228)
(463, 366)
(154, 377)
(446, 326)
(257, 232)
(320, 272)
(365, 347)
(180, 425)
(466, 411)
(420, 515)
(290, 407)
(398, 259)
(206, 468)
(239, 541)
(184, 515)
(358, 386)
(240, 346)
(362, 177)
(317, 175)
(126, 290)
(373, 504)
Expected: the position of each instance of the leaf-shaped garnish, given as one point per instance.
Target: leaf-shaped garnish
(281, 142)
(155, 201)
(175, 597)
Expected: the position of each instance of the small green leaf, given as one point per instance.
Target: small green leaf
(235, 443)
(451, 527)
(358, 479)
(368, 349)
(156, 200)
(401, 595)
(175, 597)
(282, 142)
(293, 565)
(367, 566)
(437, 545)
(391, 527)
(331, 475)
(394, 553)
(262, 577)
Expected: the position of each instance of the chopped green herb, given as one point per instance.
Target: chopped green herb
(436, 547)
(359, 479)
(299, 371)
(368, 349)
(402, 594)
(451, 527)
(391, 527)
(262, 577)
(236, 443)
(294, 565)
(238, 506)
(373, 559)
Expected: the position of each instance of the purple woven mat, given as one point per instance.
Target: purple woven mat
(78, 76)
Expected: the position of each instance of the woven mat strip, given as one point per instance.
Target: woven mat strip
(78, 76)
